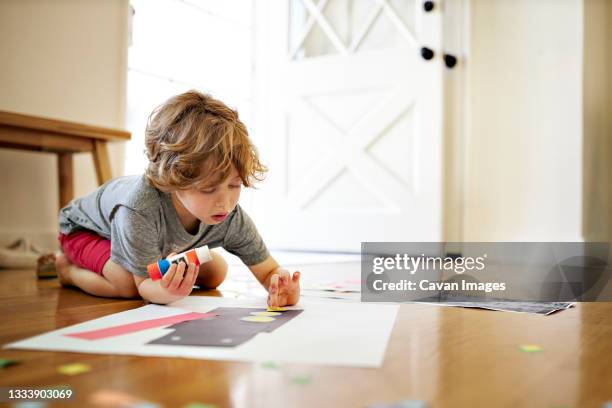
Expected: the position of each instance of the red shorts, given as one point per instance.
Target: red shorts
(86, 249)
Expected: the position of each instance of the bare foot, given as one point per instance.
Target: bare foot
(63, 267)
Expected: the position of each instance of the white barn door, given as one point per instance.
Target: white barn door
(349, 123)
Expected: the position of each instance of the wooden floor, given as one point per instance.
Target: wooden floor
(447, 357)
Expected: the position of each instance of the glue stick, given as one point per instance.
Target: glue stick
(196, 256)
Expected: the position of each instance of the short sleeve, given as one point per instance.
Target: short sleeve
(243, 240)
(134, 241)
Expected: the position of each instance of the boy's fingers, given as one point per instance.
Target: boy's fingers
(187, 283)
(178, 277)
(296, 277)
(168, 276)
(273, 291)
(287, 287)
(194, 274)
(282, 282)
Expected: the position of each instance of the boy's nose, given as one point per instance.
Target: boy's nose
(222, 203)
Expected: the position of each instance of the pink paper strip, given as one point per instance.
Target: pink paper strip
(138, 326)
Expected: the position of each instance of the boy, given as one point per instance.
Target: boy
(200, 156)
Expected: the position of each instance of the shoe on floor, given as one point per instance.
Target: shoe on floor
(45, 266)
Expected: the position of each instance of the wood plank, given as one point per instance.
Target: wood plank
(62, 127)
(15, 146)
(101, 162)
(65, 176)
(43, 141)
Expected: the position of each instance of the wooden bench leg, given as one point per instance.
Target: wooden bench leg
(100, 156)
(64, 172)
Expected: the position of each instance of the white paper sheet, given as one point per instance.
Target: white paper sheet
(325, 333)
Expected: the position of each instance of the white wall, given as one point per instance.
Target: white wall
(523, 167)
(64, 59)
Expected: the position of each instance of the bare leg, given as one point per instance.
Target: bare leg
(212, 273)
(122, 280)
(114, 282)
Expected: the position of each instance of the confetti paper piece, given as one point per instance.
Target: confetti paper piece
(301, 379)
(5, 362)
(31, 404)
(275, 309)
(401, 404)
(110, 398)
(268, 314)
(74, 369)
(531, 348)
(200, 405)
(144, 404)
(270, 364)
(258, 319)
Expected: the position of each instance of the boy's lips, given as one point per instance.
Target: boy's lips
(219, 217)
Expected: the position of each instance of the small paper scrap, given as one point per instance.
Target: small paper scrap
(5, 362)
(110, 398)
(269, 364)
(30, 404)
(258, 319)
(401, 404)
(200, 405)
(531, 348)
(301, 379)
(74, 369)
(268, 314)
(145, 404)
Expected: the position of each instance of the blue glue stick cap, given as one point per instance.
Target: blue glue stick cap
(163, 266)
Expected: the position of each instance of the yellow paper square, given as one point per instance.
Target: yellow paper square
(74, 369)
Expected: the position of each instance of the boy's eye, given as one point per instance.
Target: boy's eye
(207, 191)
(236, 186)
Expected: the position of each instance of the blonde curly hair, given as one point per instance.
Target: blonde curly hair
(192, 140)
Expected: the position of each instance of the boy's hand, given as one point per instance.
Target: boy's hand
(284, 289)
(179, 279)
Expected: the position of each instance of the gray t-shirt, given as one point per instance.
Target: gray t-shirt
(143, 226)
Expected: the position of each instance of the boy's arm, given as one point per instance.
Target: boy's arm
(283, 287)
(176, 284)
